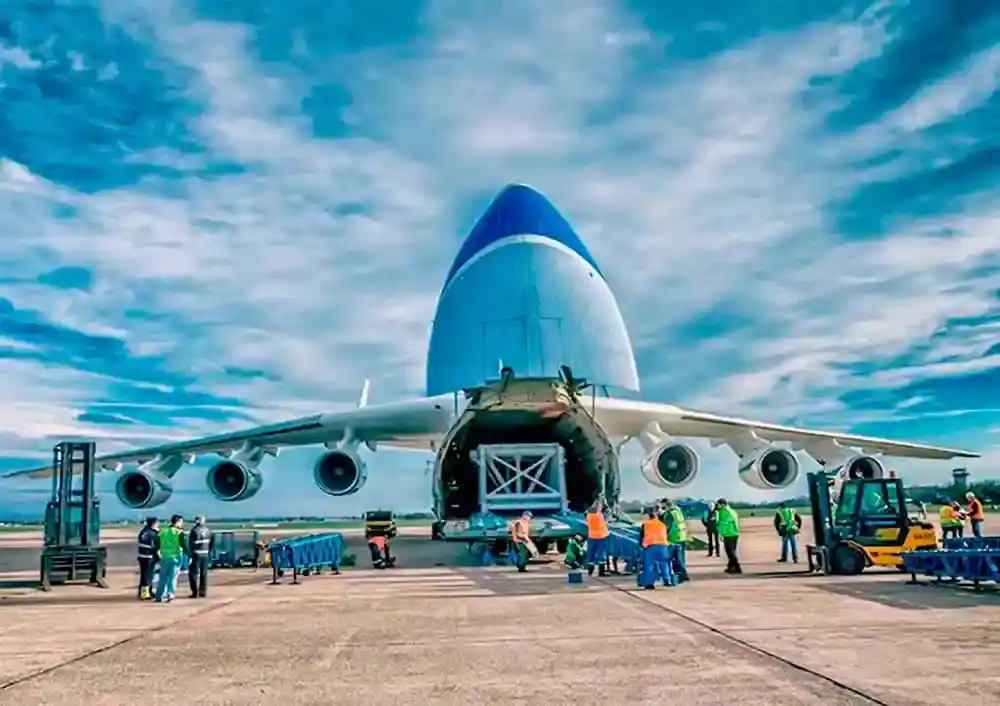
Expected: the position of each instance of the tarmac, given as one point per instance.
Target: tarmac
(440, 630)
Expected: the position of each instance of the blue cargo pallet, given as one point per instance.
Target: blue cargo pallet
(306, 554)
(960, 564)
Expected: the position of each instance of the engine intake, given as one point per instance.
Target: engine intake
(671, 465)
(231, 481)
(863, 467)
(140, 489)
(340, 473)
(769, 469)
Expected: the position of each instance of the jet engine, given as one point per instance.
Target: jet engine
(340, 472)
(863, 467)
(769, 469)
(670, 465)
(233, 480)
(149, 485)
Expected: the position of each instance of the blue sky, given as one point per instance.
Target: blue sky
(217, 214)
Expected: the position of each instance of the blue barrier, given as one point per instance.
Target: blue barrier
(973, 543)
(974, 565)
(306, 554)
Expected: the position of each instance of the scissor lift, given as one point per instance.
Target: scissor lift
(72, 550)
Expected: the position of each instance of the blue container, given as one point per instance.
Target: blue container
(574, 577)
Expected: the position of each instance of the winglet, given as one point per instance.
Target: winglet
(363, 402)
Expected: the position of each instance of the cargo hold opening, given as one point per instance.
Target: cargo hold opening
(460, 474)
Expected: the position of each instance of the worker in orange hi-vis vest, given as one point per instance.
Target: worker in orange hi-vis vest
(597, 539)
(975, 513)
(523, 547)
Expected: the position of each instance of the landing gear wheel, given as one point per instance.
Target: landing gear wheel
(562, 545)
(437, 530)
(542, 546)
(846, 560)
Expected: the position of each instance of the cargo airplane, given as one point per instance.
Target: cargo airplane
(528, 371)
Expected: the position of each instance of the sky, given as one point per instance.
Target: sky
(219, 214)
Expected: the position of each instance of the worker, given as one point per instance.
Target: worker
(520, 537)
(170, 547)
(710, 520)
(597, 539)
(655, 545)
(951, 519)
(729, 532)
(201, 541)
(677, 533)
(147, 557)
(575, 552)
(975, 514)
(788, 524)
(382, 557)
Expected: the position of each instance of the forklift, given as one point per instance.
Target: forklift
(868, 526)
(380, 528)
(72, 548)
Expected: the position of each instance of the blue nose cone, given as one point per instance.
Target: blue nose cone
(519, 210)
(525, 293)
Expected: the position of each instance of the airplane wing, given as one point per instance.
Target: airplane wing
(628, 418)
(415, 424)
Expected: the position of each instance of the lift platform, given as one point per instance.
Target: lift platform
(72, 549)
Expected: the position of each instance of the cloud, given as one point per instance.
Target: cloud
(245, 214)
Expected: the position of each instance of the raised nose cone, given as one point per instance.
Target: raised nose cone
(524, 292)
(518, 210)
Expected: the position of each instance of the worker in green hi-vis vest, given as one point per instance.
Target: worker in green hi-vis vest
(729, 531)
(170, 547)
(673, 517)
(788, 524)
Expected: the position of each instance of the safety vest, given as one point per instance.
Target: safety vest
(516, 531)
(729, 522)
(948, 518)
(654, 532)
(200, 540)
(975, 509)
(597, 526)
(147, 543)
(678, 526)
(379, 541)
(788, 523)
(170, 543)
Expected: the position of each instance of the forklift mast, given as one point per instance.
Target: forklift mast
(821, 506)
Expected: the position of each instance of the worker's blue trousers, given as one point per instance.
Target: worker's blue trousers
(597, 551)
(656, 566)
(789, 543)
(167, 585)
(678, 561)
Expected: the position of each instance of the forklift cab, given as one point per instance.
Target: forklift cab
(870, 525)
(380, 523)
(872, 512)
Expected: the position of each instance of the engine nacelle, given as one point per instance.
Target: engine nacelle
(769, 469)
(232, 480)
(670, 465)
(861, 466)
(340, 472)
(141, 488)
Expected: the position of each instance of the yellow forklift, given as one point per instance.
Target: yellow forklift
(868, 526)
